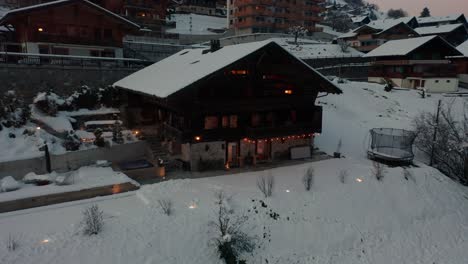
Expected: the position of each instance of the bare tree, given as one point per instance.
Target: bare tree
(378, 170)
(266, 185)
(344, 45)
(166, 206)
(93, 220)
(308, 179)
(297, 31)
(397, 13)
(12, 243)
(343, 175)
(443, 139)
(231, 239)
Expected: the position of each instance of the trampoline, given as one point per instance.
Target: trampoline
(391, 144)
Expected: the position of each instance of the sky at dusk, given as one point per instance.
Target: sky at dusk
(414, 7)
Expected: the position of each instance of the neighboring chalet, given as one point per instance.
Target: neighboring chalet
(455, 34)
(462, 64)
(442, 20)
(416, 63)
(376, 33)
(67, 27)
(230, 106)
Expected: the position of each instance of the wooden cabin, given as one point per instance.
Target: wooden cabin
(68, 27)
(416, 63)
(235, 105)
(376, 33)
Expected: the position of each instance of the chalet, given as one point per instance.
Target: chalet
(462, 64)
(455, 34)
(442, 20)
(376, 33)
(416, 63)
(68, 27)
(360, 20)
(236, 105)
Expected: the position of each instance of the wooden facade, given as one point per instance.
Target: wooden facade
(54, 27)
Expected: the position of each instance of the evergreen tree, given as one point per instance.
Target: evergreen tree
(99, 140)
(425, 12)
(397, 13)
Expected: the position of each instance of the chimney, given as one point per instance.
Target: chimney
(214, 45)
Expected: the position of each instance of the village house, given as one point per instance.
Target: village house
(67, 27)
(416, 63)
(442, 20)
(231, 106)
(376, 33)
(462, 64)
(455, 34)
(360, 20)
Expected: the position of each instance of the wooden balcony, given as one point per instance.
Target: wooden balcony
(52, 38)
(428, 71)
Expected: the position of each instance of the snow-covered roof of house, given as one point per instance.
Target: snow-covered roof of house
(437, 29)
(188, 66)
(3, 11)
(194, 24)
(384, 24)
(438, 19)
(359, 19)
(399, 47)
(63, 2)
(463, 48)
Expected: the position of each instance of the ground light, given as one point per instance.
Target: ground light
(45, 241)
(193, 205)
(288, 191)
(358, 179)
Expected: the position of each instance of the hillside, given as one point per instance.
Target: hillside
(419, 220)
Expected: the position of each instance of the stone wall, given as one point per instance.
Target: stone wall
(207, 151)
(28, 80)
(74, 160)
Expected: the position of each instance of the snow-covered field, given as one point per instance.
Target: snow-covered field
(420, 220)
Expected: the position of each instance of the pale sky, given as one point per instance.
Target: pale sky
(414, 7)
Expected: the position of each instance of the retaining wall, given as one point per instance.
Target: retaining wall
(74, 160)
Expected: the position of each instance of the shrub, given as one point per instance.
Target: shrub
(72, 142)
(343, 175)
(308, 179)
(378, 170)
(231, 241)
(266, 184)
(117, 135)
(85, 97)
(166, 206)
(99, 140)
(93, 220)
(109, 96)
(12, 243)
(13, 110)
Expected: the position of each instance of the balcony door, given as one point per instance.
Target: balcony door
(233, 154)
(263, 150)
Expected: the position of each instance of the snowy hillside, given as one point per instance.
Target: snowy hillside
(419, 220)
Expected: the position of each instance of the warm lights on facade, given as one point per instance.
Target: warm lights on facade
(197, 138)
(282, 139)
(239, 72)
(40, 29)
(288, 92)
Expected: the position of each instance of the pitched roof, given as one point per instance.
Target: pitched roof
(384, 24)
(438, 19)
(64, 2)
(188, 66)
(437, 29)
(359, 19)
(401, 47)
(463, 48)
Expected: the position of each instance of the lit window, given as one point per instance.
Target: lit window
(233, 121)
(239, 72)
(211, 122)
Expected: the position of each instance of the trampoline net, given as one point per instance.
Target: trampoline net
(392, 143)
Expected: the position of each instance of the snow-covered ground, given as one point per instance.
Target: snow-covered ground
(81, 179)
(194, 24)
(420, 220)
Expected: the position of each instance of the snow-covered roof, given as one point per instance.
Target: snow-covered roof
(438, 19)
(463, 48)
(358, 19)
(194, 24)
(384, 24)
(399, 47)
(437, 29)
(59, 2)
(316, 50)
(3, 11)
(188, 66)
